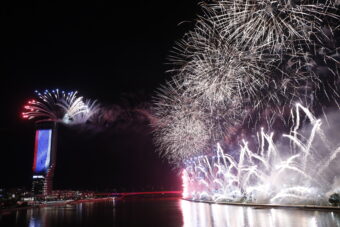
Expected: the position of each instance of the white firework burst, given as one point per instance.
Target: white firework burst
(182, 129)
(218, 74)
(277, 24)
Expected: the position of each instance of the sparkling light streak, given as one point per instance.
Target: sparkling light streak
(300, 173)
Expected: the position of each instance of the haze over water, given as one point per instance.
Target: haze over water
(165, 212)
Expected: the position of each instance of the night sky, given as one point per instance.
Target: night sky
(115, 52)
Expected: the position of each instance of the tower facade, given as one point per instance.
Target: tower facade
(44, 157)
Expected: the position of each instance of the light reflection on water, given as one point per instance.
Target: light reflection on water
(51, 216)
(165, 212)
(202, 214)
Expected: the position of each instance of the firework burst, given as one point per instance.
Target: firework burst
(216, 73)
(278, 25)
(61, 106)
(244, 79)
(245, 61)
(182, 129)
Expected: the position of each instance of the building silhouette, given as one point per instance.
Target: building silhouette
(44, 160)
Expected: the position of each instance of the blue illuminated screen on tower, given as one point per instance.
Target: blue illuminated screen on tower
(42, 150)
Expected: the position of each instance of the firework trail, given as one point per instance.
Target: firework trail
(60, 106)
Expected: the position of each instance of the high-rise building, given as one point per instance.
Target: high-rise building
(44, 157)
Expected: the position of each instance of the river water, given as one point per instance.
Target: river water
(164, 212)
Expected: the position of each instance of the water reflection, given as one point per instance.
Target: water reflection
(164, 212)
(35, 223)
(76, 214)
(202, 214)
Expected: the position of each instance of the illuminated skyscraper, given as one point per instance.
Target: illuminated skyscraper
(44, 157)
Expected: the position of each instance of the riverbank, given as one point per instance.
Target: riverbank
(53, 203)
(269, 206)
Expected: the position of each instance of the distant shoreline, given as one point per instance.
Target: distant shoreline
(57, 203)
